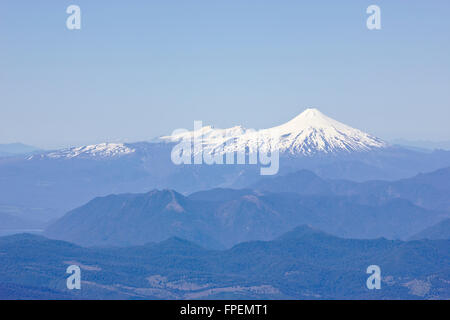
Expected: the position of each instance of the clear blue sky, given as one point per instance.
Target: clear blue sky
(138, 69)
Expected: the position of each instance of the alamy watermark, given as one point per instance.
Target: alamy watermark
(74, 280)
(374, 20)
(374, 281)
(73, 22)
(208, 146)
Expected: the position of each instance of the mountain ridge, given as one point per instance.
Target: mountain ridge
(309, 133)
(220, 218)
(302, 264)
(429, 190)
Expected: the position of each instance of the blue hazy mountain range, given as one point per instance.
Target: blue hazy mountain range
(10, 221)
(441, 230)
(302, 264)
(44, 188)
(423, 144)
(430, 190)
(235, 224)
(15, 149)
(220, 218)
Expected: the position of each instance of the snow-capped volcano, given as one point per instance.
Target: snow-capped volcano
(309, 133)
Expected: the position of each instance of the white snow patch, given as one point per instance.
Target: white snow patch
(102, 150)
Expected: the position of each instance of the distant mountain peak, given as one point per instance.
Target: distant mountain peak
(17, 149)
(312, 132)
(309, 113)
(172, 200)
(302, 232)
(309, 133)
(169, 193)
(311, 117)
(101, 150)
